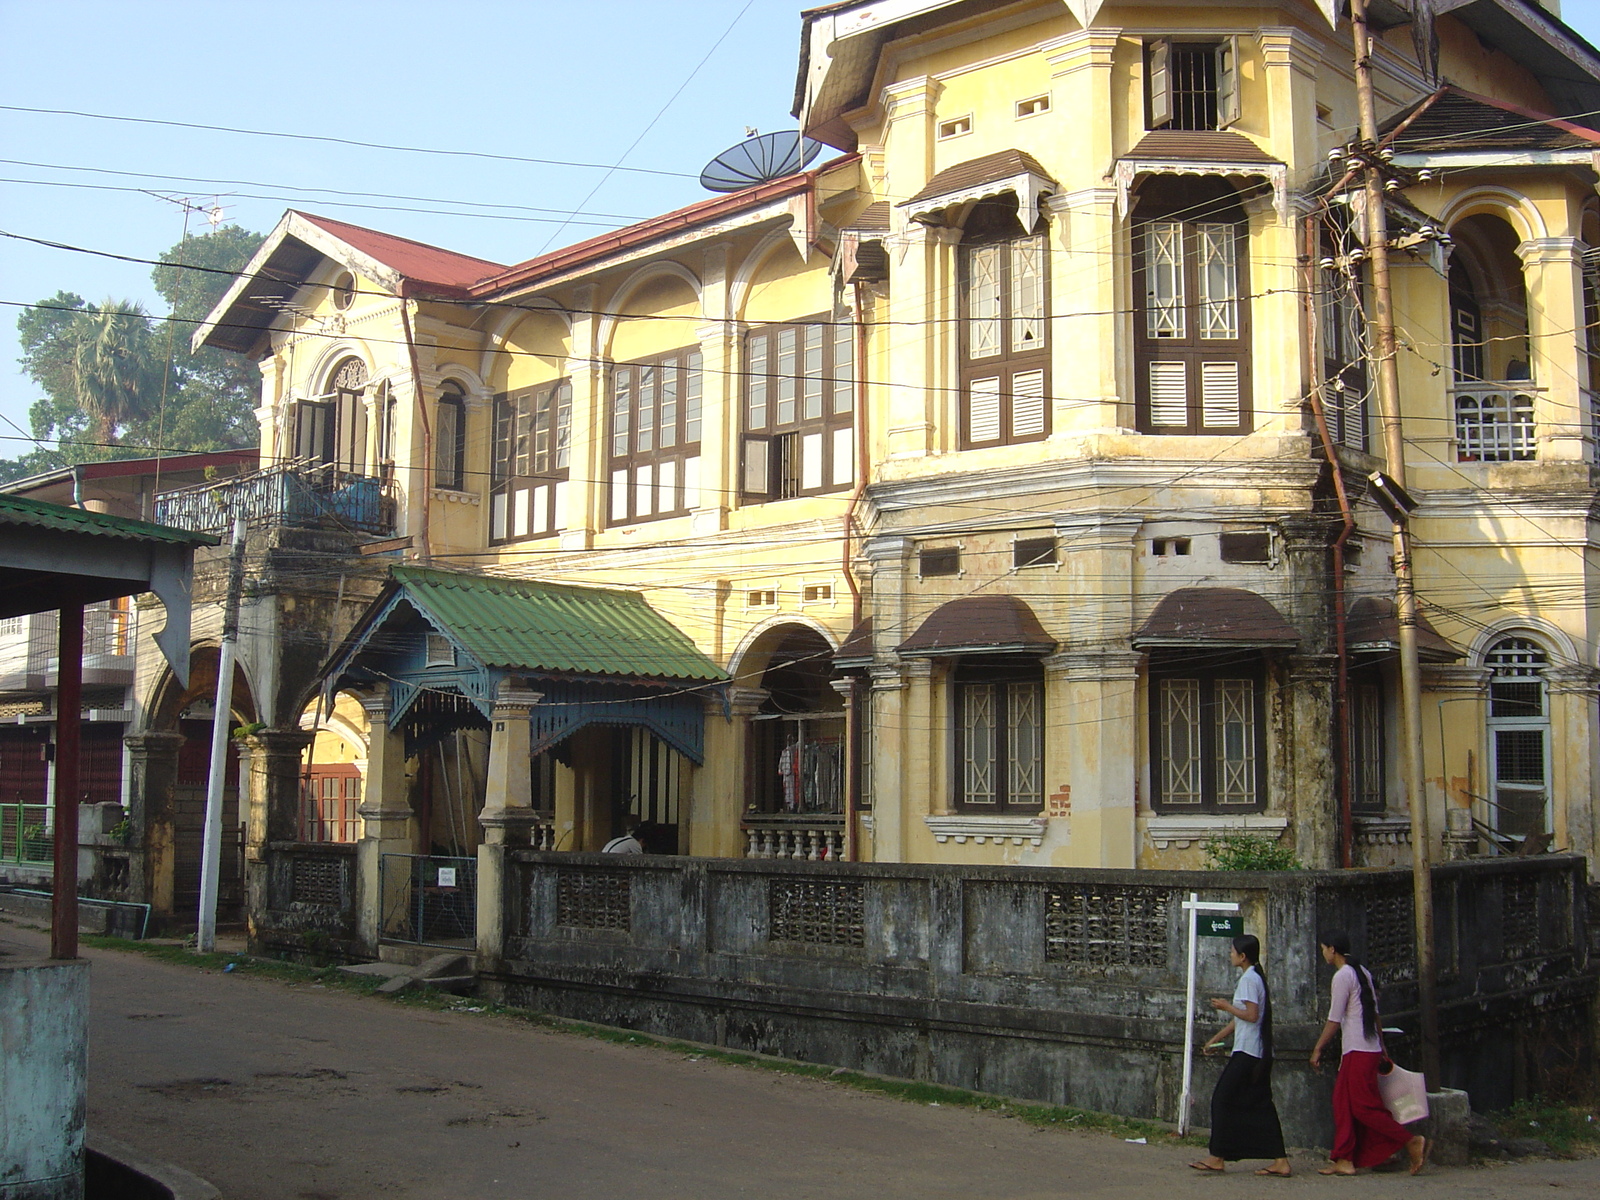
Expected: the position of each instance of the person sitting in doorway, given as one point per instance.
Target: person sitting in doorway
(631, 842)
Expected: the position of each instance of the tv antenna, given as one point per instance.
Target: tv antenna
(758, 159)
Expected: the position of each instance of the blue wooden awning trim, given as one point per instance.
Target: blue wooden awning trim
(677, 718)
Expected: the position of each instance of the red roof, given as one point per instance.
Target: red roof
(417, 261)
(644, 232)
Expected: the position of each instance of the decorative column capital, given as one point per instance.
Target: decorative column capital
(376, 704)
(746, 701)
(514, 700)
(1107, 664)
(1551, 251)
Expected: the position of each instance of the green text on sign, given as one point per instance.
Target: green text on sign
(1218, 926)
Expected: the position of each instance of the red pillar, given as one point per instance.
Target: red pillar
(69, 714)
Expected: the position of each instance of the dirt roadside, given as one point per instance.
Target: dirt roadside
(272, 1090)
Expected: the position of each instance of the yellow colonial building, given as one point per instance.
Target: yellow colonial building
(995, 491)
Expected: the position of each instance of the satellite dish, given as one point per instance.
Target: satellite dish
(758, 159)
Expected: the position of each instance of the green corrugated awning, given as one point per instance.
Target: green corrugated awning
(555, 629)
(40, 514)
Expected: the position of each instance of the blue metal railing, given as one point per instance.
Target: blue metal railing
(297, 494)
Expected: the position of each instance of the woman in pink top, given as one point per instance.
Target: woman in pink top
(1364, 1134)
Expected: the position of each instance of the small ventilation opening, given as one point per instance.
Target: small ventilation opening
(1033, 106)
(943, 560)
(1033, 552)
(761, 598)
(1170, 547)
(955, 128)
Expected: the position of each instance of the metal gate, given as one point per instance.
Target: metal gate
(428, 900)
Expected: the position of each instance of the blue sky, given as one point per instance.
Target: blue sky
(571, 81)
(530, 78)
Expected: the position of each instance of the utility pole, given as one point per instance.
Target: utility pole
(1391, 493)
(211, 847)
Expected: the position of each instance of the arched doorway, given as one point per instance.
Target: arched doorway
(171, 761)
(795, 769)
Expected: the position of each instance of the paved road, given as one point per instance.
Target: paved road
(275, 1091)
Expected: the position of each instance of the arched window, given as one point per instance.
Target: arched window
(332, 428)
(1519, 737)
(450, 438)
(1192, 321)
(1005, 358)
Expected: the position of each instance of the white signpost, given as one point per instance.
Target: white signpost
(1194, 906)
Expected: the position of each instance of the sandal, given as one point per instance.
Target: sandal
(1203, 1165)
(1420, 1158)
(1274, 1174)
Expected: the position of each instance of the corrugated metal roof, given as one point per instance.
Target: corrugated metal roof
(555, 628)
(38, 514)
(997, 624)
(1215, 616)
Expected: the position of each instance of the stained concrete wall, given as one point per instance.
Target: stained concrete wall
(1059, 985)
(44, 1030)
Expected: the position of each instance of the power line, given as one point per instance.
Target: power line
(311, 137)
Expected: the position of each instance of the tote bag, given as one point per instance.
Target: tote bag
(1404, 1093)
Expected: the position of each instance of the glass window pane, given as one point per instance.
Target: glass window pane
(978, 730)
(563, 425)
(1236, 741)
(692, 385)
(758, 352)
(983, 301)
(844, 380)
(670, 380)
(1163, 280)
(621, 408)
(1180, 741)
(644, 437)
(787, 368)
(1027, 295)
(1219, 281)
(811, 390)
(1025, 743)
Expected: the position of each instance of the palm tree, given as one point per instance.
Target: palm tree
(116, 370)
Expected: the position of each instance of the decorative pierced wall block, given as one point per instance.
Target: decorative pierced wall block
(1391, 950)
(590, 898)
(817, 912)
(1107, 926)
(1519, 915)
(316, 880)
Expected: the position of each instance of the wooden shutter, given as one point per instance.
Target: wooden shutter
(1219, 395)
(1159, 80)
(755, 471)
(1228, 82)
(1027, 404)
(983, 410)
(1169, 394)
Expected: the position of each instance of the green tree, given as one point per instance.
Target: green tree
(116, 384)
(116, 368)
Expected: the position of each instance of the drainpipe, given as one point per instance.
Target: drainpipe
(77, 485)
(1341, 679)
(425, 539)
(853, 723)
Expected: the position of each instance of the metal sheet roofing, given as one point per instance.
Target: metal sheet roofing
(38, 514)
(1215, 616)
(993, 624)
(554, 628)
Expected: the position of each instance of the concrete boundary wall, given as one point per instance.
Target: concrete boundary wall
(44, 1033)
(1056, 985)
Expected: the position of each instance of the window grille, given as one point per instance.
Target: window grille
(1191, 85)
(999, 737)
(1519, 737)
(1208, 736)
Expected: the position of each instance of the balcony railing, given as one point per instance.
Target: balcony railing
(1494, 422)
(815, 838)
(301, 494)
